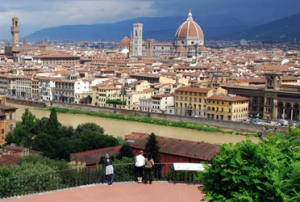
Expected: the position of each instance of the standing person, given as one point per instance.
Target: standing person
(149, 163)
(109, 170)
(139, 164)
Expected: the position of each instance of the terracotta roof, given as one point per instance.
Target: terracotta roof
(93, 156)
(9, 160)
(190, 89)
(178, 147)
(227, 98)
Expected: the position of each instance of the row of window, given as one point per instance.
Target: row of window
(190, 99)
(190, 93)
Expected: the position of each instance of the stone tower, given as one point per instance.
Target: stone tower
(15, 31)
(137, 39)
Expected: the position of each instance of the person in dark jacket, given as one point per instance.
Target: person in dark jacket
(109, 170)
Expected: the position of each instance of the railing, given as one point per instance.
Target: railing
(51, 181)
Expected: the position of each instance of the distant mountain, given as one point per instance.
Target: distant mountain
(283, 29)
(159, 28)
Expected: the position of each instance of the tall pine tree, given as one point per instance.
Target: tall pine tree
(152, 147)
(52, 125)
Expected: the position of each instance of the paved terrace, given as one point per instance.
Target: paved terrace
(120, 192)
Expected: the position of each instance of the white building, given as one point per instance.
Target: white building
(160, 103)
(145, 104)
(83, 88)
(23, 86)
(46, 87)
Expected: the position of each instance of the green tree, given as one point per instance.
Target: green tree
(52, 125)
(24, 132)
(152, 147)
(125, 151)
(267, 171)
(89, 127)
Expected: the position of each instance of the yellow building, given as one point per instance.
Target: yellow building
(102, 94)
(8, 121)
(191, 101)
(226, 107)
(35, 88)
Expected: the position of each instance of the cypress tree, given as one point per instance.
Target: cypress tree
(152, 147)
(52, 126)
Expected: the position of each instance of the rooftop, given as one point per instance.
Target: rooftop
(119, 192)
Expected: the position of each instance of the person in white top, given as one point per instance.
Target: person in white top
(139, 165)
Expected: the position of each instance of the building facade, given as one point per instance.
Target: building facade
(192, 101)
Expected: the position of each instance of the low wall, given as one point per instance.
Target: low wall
(29, 103)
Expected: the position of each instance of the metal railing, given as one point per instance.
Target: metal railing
(64, 179)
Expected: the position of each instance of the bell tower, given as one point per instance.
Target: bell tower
(15, 31)
(137, 39)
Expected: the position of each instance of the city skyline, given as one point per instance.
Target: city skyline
(37, 14)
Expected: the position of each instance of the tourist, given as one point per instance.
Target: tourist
(139, 165)
(109, 170)
(149, 163)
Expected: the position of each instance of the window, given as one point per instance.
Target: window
(2, 131)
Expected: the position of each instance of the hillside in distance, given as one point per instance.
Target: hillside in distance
(158, 28)
(279, 30)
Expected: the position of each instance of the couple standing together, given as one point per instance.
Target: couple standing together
(140, 163)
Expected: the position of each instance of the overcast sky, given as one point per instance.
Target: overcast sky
(37, 14)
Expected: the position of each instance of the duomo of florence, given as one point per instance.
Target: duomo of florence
(189, 42)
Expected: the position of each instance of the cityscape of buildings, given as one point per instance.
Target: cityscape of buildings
(238, 81)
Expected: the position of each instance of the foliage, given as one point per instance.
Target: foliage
(56, 165)
(24, 131)
(125, 151)
(152, 147)
(117, 101)
(149, 120)
(52, 125)
(123, 169)
(267, 171)
(27, 178)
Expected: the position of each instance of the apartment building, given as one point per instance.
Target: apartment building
(64, 91)
(46, 88)
(103, 93)
(23, 86)
(57, 59)
(160, 103)
(191, 101)
(83, 88)
(227, 107)
(8, 120)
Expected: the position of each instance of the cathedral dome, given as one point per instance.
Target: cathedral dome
(125, 42)
(189, 30)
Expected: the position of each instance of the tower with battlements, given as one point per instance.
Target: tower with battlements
(15, 31)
